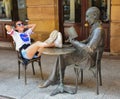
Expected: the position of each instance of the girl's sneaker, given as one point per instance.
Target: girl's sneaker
(58, 41)
(52, 37)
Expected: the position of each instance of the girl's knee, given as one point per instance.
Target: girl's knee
(37, 42)
(40, 44)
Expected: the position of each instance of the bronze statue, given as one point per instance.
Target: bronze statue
(84, 48)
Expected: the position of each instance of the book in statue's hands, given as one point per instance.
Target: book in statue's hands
(71, 32)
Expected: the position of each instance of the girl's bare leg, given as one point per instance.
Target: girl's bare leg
(31, 50)
(37, 46)
(41, 49)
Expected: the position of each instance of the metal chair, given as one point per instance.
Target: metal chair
(98, 76)
(25, 63)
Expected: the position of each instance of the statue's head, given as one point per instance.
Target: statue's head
(92, 15)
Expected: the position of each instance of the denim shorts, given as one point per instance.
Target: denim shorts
(24, 54)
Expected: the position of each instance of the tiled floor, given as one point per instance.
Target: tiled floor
(11, 86)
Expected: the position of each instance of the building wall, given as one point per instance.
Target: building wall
(44, 14)
(115, 27)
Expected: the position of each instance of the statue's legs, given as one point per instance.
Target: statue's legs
(54, 76)
(66, 61)
(61, 88)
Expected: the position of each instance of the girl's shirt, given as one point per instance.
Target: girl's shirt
(21, 38)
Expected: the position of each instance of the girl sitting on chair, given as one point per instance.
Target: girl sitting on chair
(23, 41)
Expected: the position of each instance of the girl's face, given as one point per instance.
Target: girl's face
(19, 26)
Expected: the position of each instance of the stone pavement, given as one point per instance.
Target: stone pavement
(11, 86)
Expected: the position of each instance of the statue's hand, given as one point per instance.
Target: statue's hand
(69, 40)
(88, 49)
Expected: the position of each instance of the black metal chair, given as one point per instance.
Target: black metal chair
(97, 75)
(25, 63)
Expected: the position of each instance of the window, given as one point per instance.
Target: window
(5, 9)
(13, 10)
(72, 10)
(104, 6)
(22, 12)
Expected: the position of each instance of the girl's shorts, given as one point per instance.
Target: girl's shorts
(24, 54)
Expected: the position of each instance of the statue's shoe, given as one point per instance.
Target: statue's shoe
(48, 83)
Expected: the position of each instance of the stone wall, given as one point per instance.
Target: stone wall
(115, 27)
(44, 13)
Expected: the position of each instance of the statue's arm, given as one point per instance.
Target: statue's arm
(85, 41)
(96, 38)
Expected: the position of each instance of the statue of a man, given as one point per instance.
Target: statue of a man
(84, 48)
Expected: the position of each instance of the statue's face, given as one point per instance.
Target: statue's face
(90, 17)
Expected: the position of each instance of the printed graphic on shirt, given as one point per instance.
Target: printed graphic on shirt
(24, 37)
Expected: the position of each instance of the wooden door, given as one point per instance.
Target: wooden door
(72, 13)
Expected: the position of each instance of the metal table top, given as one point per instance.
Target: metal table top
(58, 51)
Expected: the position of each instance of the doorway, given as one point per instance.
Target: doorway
(72, 13)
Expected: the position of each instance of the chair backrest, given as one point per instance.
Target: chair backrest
(96, 57)
(18, 54)
(100, 52)
(19, 57)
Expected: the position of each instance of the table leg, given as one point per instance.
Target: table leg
(61, 88)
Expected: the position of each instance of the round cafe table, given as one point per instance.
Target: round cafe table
(60, 52)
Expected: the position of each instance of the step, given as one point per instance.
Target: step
(6, 45)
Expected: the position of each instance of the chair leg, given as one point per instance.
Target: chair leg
(97, 80)
(39, 63)
(77, 76)
(18, 70)
(100, 77)
(25, 67)
(33, 68)
(81, 76)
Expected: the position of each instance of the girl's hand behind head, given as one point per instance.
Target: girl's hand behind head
(8, 28)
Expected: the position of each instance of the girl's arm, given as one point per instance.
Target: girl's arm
(32, 26)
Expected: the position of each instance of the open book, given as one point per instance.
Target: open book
(71, 32)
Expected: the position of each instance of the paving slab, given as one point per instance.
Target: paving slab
(11, 86)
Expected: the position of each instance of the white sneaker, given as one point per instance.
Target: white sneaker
(52, 37)
(58, 41)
